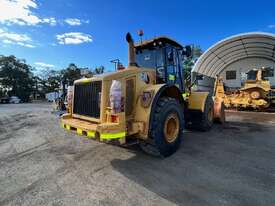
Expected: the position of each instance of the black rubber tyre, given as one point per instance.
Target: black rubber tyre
(206, 122)
(166, 108)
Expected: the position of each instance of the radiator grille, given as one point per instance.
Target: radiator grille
(87, 99)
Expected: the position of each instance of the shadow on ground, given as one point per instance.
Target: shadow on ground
(226, 166)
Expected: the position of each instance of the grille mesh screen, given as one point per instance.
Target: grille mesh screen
(87, 99)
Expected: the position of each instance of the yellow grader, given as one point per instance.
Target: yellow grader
(146, 103)
(256, 94)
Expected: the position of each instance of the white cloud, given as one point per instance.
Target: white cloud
(20, 12)
(271, 26)
(15, 38)
(51, 21)
(25, 45)
(6, 41)
(74, 38)
(75, 21)
(44, 65)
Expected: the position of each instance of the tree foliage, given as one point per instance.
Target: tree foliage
(190, 62)
(16, 77)
(99, 70)
(70, 74)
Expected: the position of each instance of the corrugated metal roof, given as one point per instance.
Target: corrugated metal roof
(234, 48)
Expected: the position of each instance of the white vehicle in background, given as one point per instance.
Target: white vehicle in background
(52, 96)
(14, 100)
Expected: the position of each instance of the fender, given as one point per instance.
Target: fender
(165, 91)
(144, 112)
(196, 101)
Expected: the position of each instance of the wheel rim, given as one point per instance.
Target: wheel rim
(255, 95)
(171, 128)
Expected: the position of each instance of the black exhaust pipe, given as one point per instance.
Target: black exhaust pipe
(131, 52)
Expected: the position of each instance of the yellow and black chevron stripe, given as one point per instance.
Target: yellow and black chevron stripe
(91, 134)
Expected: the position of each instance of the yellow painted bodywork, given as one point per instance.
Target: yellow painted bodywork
(196, 100)
(243, 97)
(219, 92)
(263, 84)
(142, 114)
(134, 123)
(83, 127)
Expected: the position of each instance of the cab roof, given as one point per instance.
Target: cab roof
(157, 40)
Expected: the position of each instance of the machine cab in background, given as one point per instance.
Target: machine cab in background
(165, 56)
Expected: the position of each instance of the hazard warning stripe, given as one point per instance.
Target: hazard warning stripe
(103, 136)
(112, 135)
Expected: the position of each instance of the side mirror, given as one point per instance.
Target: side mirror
(187, 51)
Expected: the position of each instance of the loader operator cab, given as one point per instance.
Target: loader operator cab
(166, 57)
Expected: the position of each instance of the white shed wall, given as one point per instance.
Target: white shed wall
(245, 65)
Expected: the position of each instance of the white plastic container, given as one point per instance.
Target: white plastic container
(115, 96)
(70, 91)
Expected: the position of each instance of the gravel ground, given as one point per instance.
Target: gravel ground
(42, 164)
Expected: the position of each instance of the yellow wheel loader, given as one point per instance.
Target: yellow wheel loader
(146, 103)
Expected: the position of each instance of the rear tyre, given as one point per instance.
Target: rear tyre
(207, 115)
(167, 126)
(221, 117)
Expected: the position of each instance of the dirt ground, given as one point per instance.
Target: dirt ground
(42, 164)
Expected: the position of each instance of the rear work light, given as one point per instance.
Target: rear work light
(114, 118)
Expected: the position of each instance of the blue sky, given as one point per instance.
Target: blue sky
(54, 33)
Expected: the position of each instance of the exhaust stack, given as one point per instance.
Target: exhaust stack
(132, 54)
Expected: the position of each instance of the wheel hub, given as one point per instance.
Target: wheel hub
(171, 128)
(255, 95)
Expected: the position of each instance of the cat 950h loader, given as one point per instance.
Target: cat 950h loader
(146, 102)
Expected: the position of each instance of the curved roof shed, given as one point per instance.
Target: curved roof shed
(233, 49)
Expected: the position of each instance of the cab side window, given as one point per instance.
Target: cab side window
(174, 67)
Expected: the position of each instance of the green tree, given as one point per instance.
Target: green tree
(99, 70)
(16, 77)
(70, 74)
(53, 81)
(36, 86)
(197, 52)
(190, 62)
